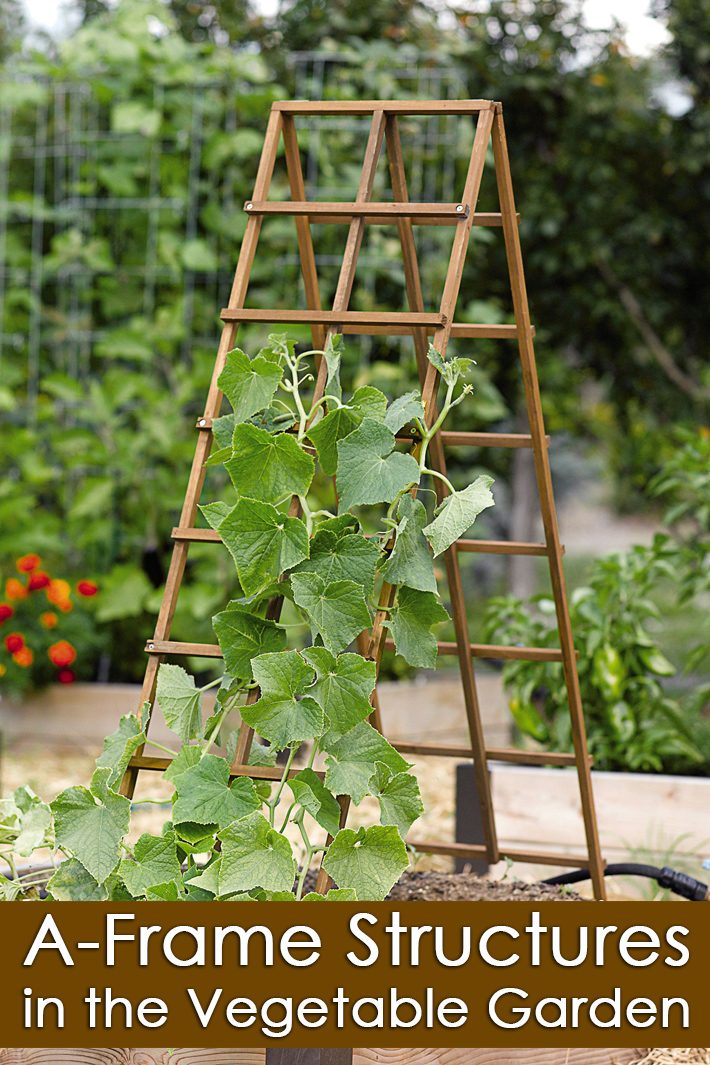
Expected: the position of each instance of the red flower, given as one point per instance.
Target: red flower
(38, 580)
(14, 642)
(28, 562)
(87, 588)
(6, 612)
(66, 676)
(62, 653)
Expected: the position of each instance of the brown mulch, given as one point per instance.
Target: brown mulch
(467, 887)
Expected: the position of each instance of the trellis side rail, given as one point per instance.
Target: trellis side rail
(421, 325)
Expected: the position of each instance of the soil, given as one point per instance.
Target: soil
(467, 887)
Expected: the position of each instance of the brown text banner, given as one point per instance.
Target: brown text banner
(343, 974)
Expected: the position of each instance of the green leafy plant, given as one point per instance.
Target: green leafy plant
(632, 722)
(333, 564)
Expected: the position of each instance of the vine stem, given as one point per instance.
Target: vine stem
(274, 800)
(160, 747)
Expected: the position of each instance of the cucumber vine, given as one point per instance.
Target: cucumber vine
(324, 513)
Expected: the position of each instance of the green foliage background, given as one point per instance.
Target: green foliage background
(97, 436)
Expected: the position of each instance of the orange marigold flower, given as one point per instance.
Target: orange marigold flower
(62, 653)
(23, 657)
(14, 642)
(66, 676)
(15, 589)
(48, 619)
(87, 588)
(6, 612)
(28, 562)
(65, 605)
(58, 591)
(38, 580)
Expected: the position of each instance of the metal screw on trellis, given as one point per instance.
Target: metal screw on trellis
(441, 326)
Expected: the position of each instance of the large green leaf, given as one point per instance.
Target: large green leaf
(179, 699)
(369, 402)
(326, 433)
(249, 384)
(90, 825)
(369, 470)
(351, 760)
(332, 355)
(263, 543)
(342, 556)
(404, 409)
(243, 636)
(336, 610)
(368, 860)
(268, 467)
(206, 797)
(25, 821)
(410, 563)
(188, 755)
(154, 862)
(72, 883)
(314, 797)
(400, 800)
(458, 512)
(414, 615)
(255, 855)
(343, 687)
(283, 715)
(120, 747)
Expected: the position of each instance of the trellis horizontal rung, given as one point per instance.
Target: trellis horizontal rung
(258, 772)
(478, 850)
(364, 318)
(501, 547)
(492, 547)
(452, 439)
(459, 330)
(478, 650)
(390, 107)
(494, 754)
(494, 651)
(344, 211)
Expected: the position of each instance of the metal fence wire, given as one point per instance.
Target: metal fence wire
(112, 219)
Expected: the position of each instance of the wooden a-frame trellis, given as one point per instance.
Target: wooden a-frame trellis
(421, 324)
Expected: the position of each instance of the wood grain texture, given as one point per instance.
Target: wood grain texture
(131, 1056)
(361, 1056)
(524, 1056)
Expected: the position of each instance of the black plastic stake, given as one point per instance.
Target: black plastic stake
(469, 823)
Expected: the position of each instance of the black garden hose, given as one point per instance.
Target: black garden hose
(679, 883)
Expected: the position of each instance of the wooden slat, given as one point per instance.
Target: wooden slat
(496, 754)
(415, 299)
(306, 250)
(342, 211)
(491, 651)
(478, 850)
(491, 547)
(526, 351)
(500, 547)
(341, 301)
(197, 536)
(463, 439)
(459, 330)
(496, 651)
(389, 107)
(334, 317)
(213, 404)
(258, 772)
